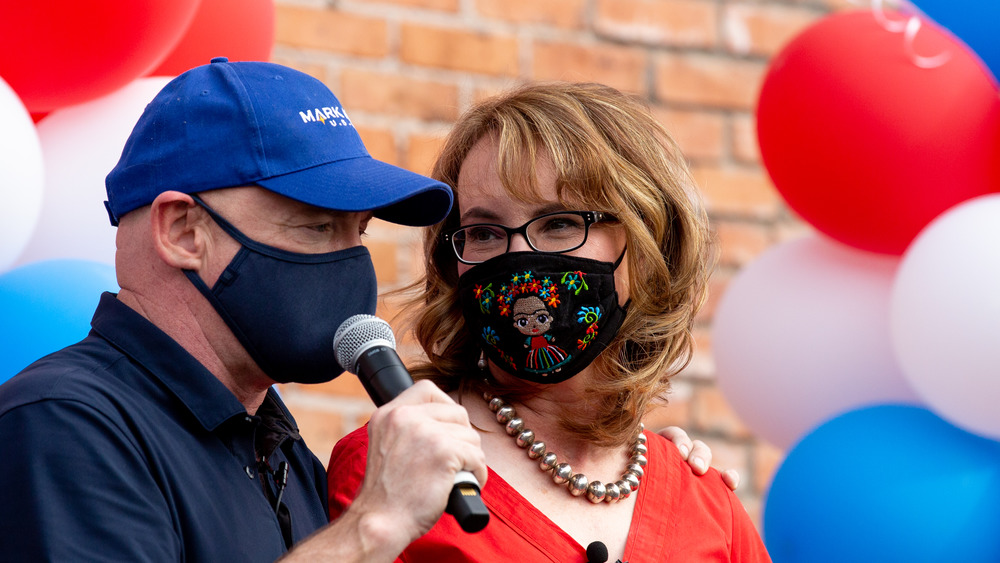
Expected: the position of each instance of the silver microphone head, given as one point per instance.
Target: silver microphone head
(357, 334)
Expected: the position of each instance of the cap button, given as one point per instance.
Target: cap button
(220, 59)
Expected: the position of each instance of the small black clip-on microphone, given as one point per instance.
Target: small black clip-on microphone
(281, 481)
(364, 345)
(597, 552)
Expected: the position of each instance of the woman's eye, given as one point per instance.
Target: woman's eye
(556, 224)
(542, 319)
(481, 234)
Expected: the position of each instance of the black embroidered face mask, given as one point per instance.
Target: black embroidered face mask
(542, 317)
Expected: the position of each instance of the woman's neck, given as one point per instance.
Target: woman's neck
(542, 410)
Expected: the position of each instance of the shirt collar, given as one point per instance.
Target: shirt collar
(276, 425)
(211, 402)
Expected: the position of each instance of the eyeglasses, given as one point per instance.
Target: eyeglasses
(558, 232)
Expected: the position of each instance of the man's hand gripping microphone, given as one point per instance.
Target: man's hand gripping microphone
(365, 345)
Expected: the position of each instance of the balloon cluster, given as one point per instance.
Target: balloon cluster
(74, 78)
(871, 350)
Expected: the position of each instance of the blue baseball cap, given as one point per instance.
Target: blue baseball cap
(227, 124)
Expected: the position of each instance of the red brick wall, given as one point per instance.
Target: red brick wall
(405, 69)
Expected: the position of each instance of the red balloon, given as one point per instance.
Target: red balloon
(57, 53)
(242, 30)
(865, 144)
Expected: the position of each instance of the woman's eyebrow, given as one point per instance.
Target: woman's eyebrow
(489, 215)
(481, 213)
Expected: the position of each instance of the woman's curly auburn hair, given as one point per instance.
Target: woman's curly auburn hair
(610, 155)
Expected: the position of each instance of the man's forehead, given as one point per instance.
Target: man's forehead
(263, 201)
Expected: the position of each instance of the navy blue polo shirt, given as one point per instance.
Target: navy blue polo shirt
(123, 447)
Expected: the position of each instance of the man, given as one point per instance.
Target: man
(240, 199)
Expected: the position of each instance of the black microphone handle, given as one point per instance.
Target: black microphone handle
(384, 376)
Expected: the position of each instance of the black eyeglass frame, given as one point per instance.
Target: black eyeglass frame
(589, 218)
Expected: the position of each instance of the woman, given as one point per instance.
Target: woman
(576, 220)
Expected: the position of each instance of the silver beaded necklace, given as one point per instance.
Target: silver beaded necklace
(562, 473)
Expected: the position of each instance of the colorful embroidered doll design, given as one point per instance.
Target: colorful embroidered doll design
(532, 319)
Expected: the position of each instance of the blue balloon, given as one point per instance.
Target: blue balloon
(886, 483)
(45, 306)
(975, 22)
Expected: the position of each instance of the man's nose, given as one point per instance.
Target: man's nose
(350, 236)
(348, 239)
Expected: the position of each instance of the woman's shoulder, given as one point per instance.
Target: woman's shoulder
(347, 449)
(347, 461)
(704, 514)
(346, 470)
(676, 475)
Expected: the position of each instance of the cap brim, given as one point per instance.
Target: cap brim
(365, 184)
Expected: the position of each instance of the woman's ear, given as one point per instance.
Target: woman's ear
(180, 230)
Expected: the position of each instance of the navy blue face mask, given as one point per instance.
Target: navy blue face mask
(284, 307)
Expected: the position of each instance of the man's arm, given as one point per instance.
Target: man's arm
(698, 455)
(417, 443)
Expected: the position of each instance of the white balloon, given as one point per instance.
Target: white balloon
(21, 176)
(802, 335)
(81, 144)
(945, 315)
